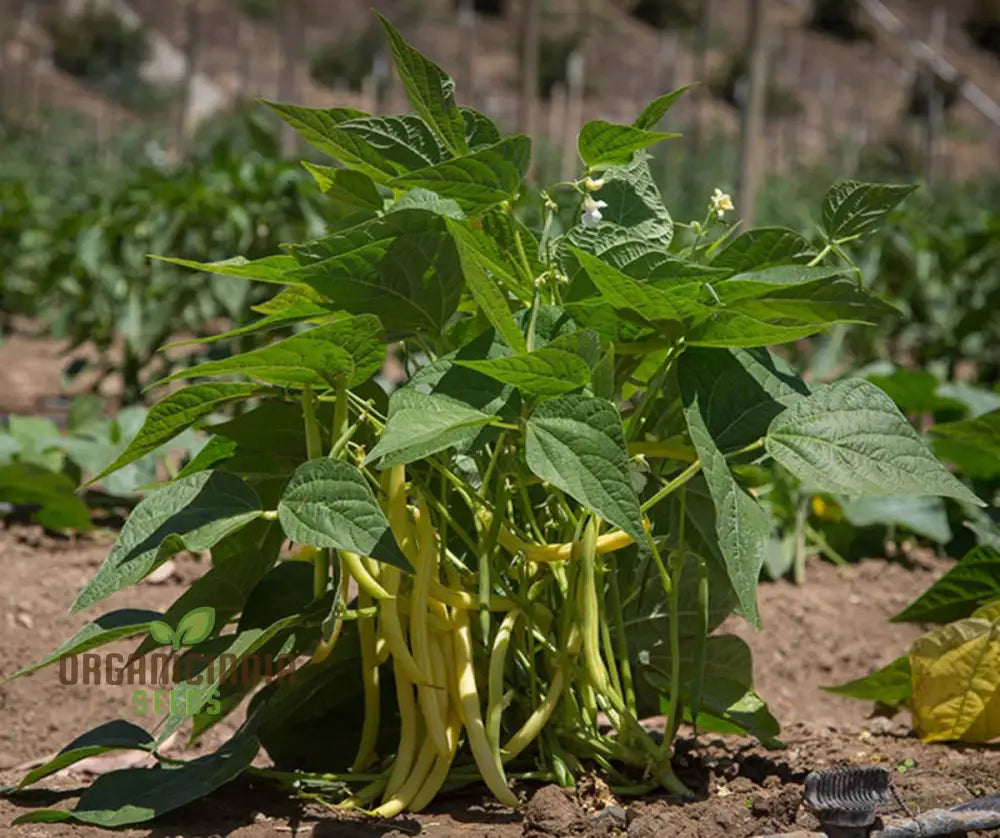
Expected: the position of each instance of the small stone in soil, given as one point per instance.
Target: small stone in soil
(551, 811)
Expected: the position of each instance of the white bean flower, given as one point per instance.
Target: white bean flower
(593, 184)
(721, 203)
(592, 212)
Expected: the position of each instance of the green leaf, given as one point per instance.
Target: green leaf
(353, 346)
(478, 180)
(605, 144)
(175, 413)
(849, 438)
(136, 795)
(195, 626)
(742, 527)
(553, 370)
(762, 247)
(55, 494)
(107, 628)
(424, 199)
(635, 221)
(406, 141)
(577, 444)
(268, 269)
(116, 735)
(851, 208)
(486, 294)
(974, 581)
(648, 304)
(657, 109)
(429, 89)
(981, 433)
(421, 424)
(735, 705)
(739, 391)
(412, 282)
(322, 128)
(349, 191)
(927, 517)
(480, 130)
(161, 632)
(914, 391)
(329, 504)
(193, 514)
(889, 685)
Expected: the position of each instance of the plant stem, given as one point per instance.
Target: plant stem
(820, 256)
(673, 485)
(313, 440)
(628, 688)
(339, 411)
(676, 569)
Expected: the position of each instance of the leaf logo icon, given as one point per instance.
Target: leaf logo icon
(193, 627)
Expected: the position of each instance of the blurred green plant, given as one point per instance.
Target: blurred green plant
(41, 466)
(75, 239)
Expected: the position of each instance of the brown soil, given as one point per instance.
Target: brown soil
(830, 629)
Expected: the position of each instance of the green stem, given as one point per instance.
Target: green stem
(340, 413)
(820, 256)
(313, 440)
(673, 485)
(676, 569)
(628, 688)
(700, 641)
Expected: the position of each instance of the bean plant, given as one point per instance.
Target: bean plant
(498, 569)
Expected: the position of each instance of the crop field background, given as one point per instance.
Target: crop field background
(608, 483)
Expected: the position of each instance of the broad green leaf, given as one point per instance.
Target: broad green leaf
(762, 247)
(107, 628)
(738, 708)
(239, 562)
(927, 517)
(577, 444)
(406, 141)
(974, 581)
(292, 300)
(429, 89)
(635, 221)
(116, 735)
(553, 370)
(175, 413)
(487, 295)
(851, 207)
(194, 514)
(413, 282)
(914, 391)
(136, 795)
(956, 682)
(478, 180)
(268, 269)
(424, 199)
(742, 528)
(60, 508)
(215, 452)
(888, 685)
(349, 191)
(605, 144)
(322, 128)
(329, 504)
(421, 424)
(739, 391)
(353, 346)
(657, 109)
(981, 433)
(195, 626)
(648, 304)
(849, 438)
(480, 130)
(38, 441)
(358, 247)
(978, 400)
